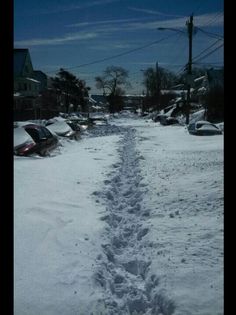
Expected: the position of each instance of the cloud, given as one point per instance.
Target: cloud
(153, 12)
(105, 46)
(77, 7)
(200, 20)
(138, 24)
(105, 22)
(55, 41)
(125, 25)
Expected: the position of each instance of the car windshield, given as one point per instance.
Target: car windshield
(37, 135)
(46, 132)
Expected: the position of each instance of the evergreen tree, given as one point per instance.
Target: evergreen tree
(72, 88)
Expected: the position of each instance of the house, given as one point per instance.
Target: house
(42, 78)
(26, 86)
(215, 78)
(133, 102)
(100, 101)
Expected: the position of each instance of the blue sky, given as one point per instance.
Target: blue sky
(86, 36)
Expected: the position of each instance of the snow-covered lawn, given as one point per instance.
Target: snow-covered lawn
(130, 222)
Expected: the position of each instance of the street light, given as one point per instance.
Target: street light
(170, 29)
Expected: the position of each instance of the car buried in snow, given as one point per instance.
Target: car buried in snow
(63, 129)
(203, 128)
(165, 119)
(33, 139)
(168, 120)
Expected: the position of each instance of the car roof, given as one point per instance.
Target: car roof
(205, 122)
(33, 126)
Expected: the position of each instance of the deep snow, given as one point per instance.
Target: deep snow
(129, 220)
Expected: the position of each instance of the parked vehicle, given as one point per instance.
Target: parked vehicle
(159, 117)
(168, 120)
(75, 127)
(32, 138)
(98, 119)
(203, 128)
(62, 129)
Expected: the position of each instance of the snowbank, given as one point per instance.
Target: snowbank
(57, 230)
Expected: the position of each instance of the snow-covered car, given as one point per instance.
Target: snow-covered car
(62, 129)
(32, 138)
(75, 126)
(98, 119)
(203, 128)
(165, 120)
(158, 117)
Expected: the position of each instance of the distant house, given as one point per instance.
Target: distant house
(212, 78)
(133, 102)
(130, 101)
(27, 86)
(100, 101)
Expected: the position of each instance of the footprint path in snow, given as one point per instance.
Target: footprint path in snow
(123, 271)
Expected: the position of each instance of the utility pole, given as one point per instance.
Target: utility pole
(189, 71)
(158, 86)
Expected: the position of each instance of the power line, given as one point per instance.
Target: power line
(210, 53)
(181, 69)
(118, 55)
(207, 49)
(212, 64)
(212, 20)
(210, 33)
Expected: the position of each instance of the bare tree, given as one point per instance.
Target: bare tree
(112, 83)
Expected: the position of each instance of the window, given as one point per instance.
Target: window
(25, 87)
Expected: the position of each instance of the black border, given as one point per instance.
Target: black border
(7, 251)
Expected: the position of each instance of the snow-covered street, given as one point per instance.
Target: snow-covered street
(128, 220)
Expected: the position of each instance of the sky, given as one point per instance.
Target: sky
(84, 37)
(127, 215)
